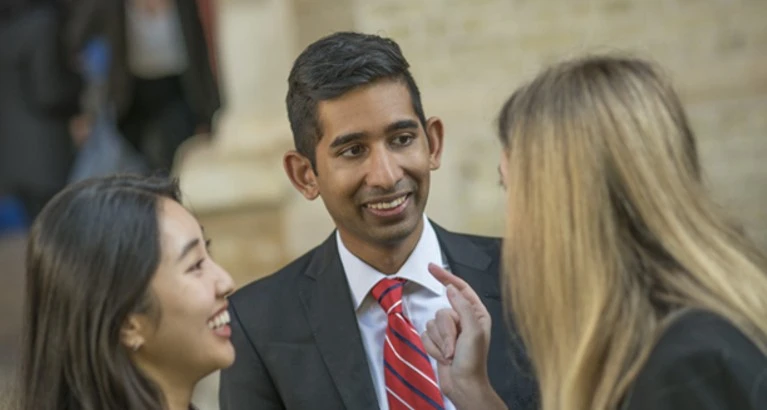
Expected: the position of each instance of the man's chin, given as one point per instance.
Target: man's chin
(394, 234)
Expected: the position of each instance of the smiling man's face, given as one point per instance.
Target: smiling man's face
(374, 161)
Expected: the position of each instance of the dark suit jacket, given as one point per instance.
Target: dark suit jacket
(38, 95)
(298, 345)
(702, 362)
(94, 17)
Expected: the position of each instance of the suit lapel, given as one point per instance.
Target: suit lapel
(328, 305)
(479, 267)
(470, 263)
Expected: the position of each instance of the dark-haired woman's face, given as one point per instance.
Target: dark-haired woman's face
(191, 337)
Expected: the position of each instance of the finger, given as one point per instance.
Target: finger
(436, 338)
(455, 316)
(444, 276)
(432, 349)
(447, 278)
(447, 325)
(470, 318)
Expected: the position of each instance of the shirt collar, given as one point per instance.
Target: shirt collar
(362, 277)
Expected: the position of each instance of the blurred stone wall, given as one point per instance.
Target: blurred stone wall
(468, 56)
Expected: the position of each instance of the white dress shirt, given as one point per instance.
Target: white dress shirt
(422, 297)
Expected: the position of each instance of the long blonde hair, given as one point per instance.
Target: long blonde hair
(610, 231)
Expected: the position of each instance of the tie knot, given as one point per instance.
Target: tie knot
(388, 293)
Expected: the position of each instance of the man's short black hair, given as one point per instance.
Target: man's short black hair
(334, 65)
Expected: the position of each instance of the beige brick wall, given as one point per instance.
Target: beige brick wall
(468, 55)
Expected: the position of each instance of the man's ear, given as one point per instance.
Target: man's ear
(301, 174)
(435, 133)
(132, 333)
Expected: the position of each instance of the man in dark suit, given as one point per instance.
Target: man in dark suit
(338, 328)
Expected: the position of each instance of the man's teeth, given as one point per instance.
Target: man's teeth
(221, 319)
(388, 205)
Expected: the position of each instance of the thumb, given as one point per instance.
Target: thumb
(469, 321)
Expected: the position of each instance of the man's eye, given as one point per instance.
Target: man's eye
(352, 151)
(403, 140)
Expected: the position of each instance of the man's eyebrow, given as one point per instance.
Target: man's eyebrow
(401, 125)
(346, 138)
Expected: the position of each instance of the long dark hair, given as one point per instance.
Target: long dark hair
(91, 255)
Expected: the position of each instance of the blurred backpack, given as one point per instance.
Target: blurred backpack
(105, 151)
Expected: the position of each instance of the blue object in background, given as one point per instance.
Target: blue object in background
(96, 59)
(105, 152)
(12, 215)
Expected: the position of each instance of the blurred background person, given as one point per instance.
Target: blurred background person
(124, 308)
(38, 95)
(160, 82)
(629, 286)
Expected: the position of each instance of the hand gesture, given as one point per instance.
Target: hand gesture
(459, 339)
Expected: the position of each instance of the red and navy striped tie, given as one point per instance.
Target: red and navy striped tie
(409, 377)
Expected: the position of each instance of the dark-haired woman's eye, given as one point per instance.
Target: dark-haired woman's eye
(197, 266)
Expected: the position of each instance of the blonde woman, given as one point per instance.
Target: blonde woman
(627, 283)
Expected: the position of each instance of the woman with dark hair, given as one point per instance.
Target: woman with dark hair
(125, 309)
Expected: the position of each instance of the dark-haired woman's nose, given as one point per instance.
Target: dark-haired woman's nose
(224, 282)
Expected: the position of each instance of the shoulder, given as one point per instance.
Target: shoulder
(259, 308)
(271, 285)
(485, 242)
(699, 332)
(490, 244)
(701, 354)
(280, 290)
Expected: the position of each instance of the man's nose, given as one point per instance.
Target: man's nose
(383, 170)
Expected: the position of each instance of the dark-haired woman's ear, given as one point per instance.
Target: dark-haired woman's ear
(131, 334)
